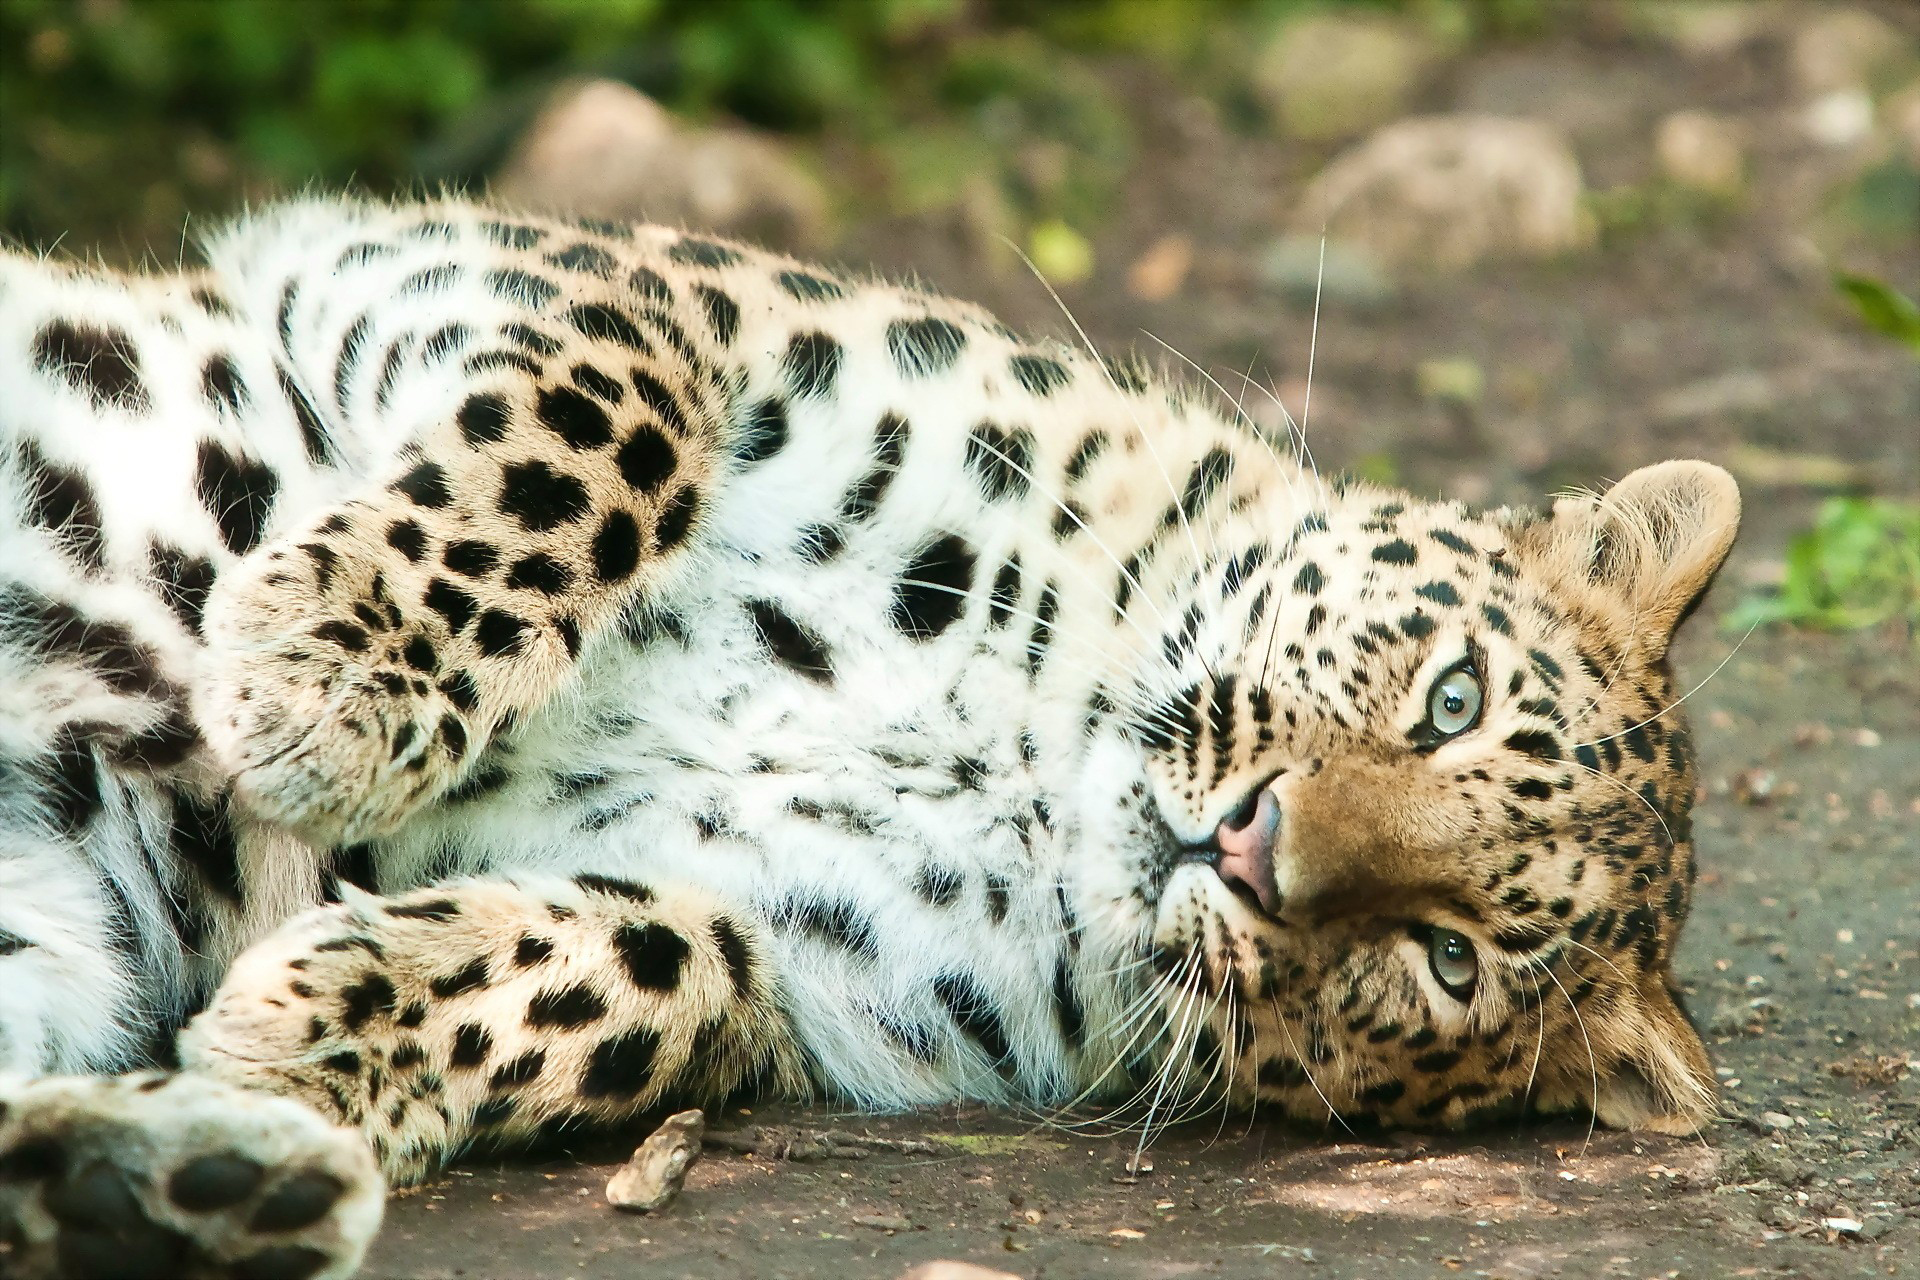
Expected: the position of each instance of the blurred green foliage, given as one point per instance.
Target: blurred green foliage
(1882, 308)
(127, 113)
(1858, 566)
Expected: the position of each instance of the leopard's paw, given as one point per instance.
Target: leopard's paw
(326, 697)
(177, 1177)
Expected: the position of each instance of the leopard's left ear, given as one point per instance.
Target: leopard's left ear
(1654, 541)
(1662, 1080)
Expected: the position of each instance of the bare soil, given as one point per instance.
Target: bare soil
(1713, 336)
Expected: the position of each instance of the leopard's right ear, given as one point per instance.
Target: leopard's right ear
(1653, 542)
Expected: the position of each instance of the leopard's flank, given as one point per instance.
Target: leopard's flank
(480, 677)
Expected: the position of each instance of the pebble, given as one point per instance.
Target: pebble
(1845, 1226)
(653, 1177)
(883, 1222)
(1776, 1120)
(946, 1269)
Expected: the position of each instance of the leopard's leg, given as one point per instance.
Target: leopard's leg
(359, 662)
(160, 1176)
(499, 1011)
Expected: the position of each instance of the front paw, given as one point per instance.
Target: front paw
(324, 701)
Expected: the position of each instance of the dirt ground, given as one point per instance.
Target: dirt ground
(1715, 337)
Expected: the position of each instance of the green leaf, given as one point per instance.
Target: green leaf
(1884, 309)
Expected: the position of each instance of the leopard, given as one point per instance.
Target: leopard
(473, 679)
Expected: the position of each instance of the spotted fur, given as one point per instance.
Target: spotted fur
(597, 666)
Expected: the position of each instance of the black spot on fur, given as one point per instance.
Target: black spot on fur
(184, 581)
(803, 287)
(98, 362)
(202, 836)
(471, 1045)
(599, 320)
(653, 953)
(647, 459)
(360, 1001)
(469, 977)
(539, 572)
(588, 258)
(454, 606)
(812, 364)
(676, 518)
(795, 646)
(976, 1015)
(484, 418)
(1003, 460)
(1398, 551)
(471, 557)
(733, 950)
(313, 432)
(499, 633)
(831, 920)
(1067, 1009)
(60, 500)
(628, 889)
(1038, 375)
(924, 347)
(426, 485)
(567, 1008)
(616, 548)
(511, 284)
(723, 313)
(595, 382)
(695, 252)
(932, 592)
(520, 1071)
(764, 433)
(650, 284)
(622, 1066)
(575, 417)
(221, 385)
(406, 537)
(531, 950)
(541, 498)
(237, 492)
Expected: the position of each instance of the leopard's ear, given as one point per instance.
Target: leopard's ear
(1653, 542)
(1660, 1078)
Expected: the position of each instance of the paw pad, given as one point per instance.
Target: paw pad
(177, 1178)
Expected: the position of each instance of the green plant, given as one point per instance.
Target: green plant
(1882, 308)
(1858, 566)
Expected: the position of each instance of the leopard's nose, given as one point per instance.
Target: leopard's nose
(1246, 839)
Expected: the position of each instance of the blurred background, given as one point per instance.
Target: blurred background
(1561, 237)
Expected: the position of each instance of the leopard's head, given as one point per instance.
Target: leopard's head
(1427, 784)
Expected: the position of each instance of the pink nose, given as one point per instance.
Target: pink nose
(1246, 839)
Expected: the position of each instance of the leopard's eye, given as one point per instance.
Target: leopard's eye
(1455, 966)
(1454, 705)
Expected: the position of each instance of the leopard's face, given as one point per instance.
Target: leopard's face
(1427, 797)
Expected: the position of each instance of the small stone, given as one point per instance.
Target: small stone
(1845, 1226)
(1778, 1121)
(1308, 269)
(1866, 738)
(1157, 274)
(1839, 120)
(1335, 75)
(1701, 151)
(603, 149)
(945, 1269)
(1449, 192)
(1457, 381)
(653, 1177)
(1875, 1227)
(882, 1222)
(1842, 48)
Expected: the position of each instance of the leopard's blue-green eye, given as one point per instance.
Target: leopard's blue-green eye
(1454, 705)
(1455, 966)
